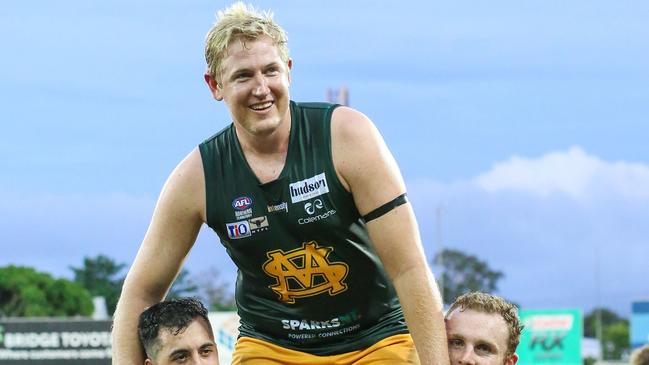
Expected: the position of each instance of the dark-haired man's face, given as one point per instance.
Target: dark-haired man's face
(477, 338)
(193, 346)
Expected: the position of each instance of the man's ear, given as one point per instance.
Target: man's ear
(511, 360)
(289, 64)
(214, 86)
(148, 361)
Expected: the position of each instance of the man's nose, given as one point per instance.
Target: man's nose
(261, 86)
(467, 357)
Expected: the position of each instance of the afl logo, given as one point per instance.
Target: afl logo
(242, 203)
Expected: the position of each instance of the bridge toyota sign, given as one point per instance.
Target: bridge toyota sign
(55, 342)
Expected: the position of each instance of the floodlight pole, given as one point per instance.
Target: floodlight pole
(598, 314)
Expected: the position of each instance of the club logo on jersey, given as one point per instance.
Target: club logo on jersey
(238, 230)
(305, 272)
(308, 188)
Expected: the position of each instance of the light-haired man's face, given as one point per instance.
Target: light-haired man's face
(193, 346)
(477, 338)
(254, 83)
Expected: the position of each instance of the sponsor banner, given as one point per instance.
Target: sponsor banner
(225, 326)
(86, 342)
(550, 337)
(639, 324)
(308, 188)
(54, 342)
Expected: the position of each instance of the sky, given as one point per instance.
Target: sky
(520, 128)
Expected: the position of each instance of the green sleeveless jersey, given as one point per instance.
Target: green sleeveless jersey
(308, 276)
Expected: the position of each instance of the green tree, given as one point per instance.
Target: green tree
(214, 292)
(101, 276)
(616, 340)
(615, 332)
(25, 292)
(462, 273)
(607, 316)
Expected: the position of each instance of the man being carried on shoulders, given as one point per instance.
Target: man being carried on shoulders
(311, 207)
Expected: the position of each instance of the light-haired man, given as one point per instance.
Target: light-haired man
(311, 207)
(177, 331)
(482, 329)
(640, 356)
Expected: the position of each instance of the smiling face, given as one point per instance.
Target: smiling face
(477, 338)
(192, 346)
(254, 83)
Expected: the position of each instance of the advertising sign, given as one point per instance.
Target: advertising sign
(639, 324)
(54, 342)
(225, 326)
(85, 342)
(551, 337)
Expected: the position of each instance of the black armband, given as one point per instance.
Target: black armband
(383, 209)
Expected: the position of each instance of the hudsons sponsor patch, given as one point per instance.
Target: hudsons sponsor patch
(308, 188)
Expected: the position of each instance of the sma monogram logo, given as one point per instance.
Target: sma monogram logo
(305, 272)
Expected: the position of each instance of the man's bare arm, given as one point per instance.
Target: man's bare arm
(367, 168)
(177, 218)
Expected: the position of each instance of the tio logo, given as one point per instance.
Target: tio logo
(311, 208)
(238, 229)
(547, 342)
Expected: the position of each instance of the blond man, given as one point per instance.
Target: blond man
(311, 207)
(482, 329)
(640, 356)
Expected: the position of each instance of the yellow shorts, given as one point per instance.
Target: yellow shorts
(393, 350)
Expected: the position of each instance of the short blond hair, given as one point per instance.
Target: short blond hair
(640, 356)
(241, 22)
(492, 304)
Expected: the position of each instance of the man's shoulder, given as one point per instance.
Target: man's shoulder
(347, 123)
(314, 105)
(218, 135)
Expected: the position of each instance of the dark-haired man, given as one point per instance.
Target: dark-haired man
(177, 331)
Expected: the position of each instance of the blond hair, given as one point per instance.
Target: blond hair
(240, 22)
(640, 356)
(492, 304)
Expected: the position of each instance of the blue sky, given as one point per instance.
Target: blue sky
(526, 123)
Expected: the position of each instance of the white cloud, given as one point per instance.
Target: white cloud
(573, 172)
(547, 220)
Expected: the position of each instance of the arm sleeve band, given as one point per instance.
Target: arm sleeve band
(401, 199)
